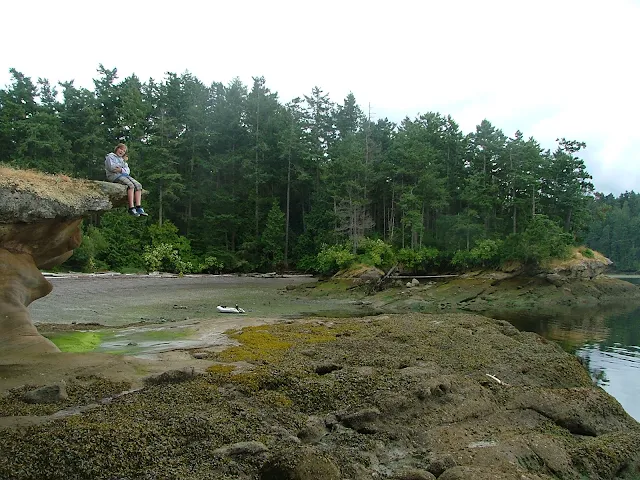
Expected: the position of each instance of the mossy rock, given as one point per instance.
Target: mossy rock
(300, 464)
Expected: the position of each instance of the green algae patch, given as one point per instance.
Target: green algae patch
(75, 342)
(275, 399)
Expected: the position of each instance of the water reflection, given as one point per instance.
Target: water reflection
(607, 341)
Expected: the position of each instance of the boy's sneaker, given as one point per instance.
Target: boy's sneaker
(134, 212)
(141, 213)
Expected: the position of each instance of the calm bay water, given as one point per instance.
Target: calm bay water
(607, 341)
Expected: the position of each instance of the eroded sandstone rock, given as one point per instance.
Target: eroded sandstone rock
(20, 284)
(40, 217)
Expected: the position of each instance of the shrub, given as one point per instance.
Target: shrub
(486, 253)
(334, 258)
(211, 265)
(165, 258)
(542, 240)
(308, 263)
(167, 234)
(587, 252)
(462, 260)
(85, 257)
(423, 259)
(376, 253)
(228, 260)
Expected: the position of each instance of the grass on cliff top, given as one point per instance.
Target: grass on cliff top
(58, 187)
(578, 255)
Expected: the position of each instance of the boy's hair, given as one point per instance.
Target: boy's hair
(118, 146)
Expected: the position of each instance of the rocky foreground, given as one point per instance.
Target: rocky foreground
(408, 396)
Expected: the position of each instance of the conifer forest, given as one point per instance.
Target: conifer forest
(237, 180)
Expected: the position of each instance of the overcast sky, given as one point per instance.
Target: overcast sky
(550, 68)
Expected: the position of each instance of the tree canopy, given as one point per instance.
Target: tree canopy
(256, 183)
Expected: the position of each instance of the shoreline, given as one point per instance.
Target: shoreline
(328, 396)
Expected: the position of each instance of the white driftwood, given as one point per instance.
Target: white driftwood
(493, 377)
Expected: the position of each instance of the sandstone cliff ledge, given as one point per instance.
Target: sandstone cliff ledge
(40, 217)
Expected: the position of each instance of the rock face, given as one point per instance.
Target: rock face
(20, 284)
(40, 217)
(578, 267)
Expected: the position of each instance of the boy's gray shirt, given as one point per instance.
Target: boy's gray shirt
(111, 161)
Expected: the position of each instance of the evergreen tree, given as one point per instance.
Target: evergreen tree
(273, 237)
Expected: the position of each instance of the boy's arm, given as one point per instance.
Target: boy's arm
(109, 162)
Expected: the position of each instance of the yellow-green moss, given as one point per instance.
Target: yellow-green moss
(221, 369)
(276, 399)
(270, 342)
(250, 381)
(256, 343)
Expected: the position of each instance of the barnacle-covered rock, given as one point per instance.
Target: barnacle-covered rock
(412, 401)
(55, 393)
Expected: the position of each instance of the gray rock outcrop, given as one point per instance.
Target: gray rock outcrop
(578, 268)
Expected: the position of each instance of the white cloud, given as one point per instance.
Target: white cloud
(549, 68)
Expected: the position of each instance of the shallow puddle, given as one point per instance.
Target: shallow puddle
(134, 340)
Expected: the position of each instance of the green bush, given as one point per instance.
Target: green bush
(486, 253)
(227, 259)
(211, 265)
(167, 234)
(423, 259)
(124, 237)
(587, 252)
(333, 258)
(166, 258)
(243, 266)
(85, 257)
(542, 240)
(376, 253)
(462, 260)
(308, 263)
